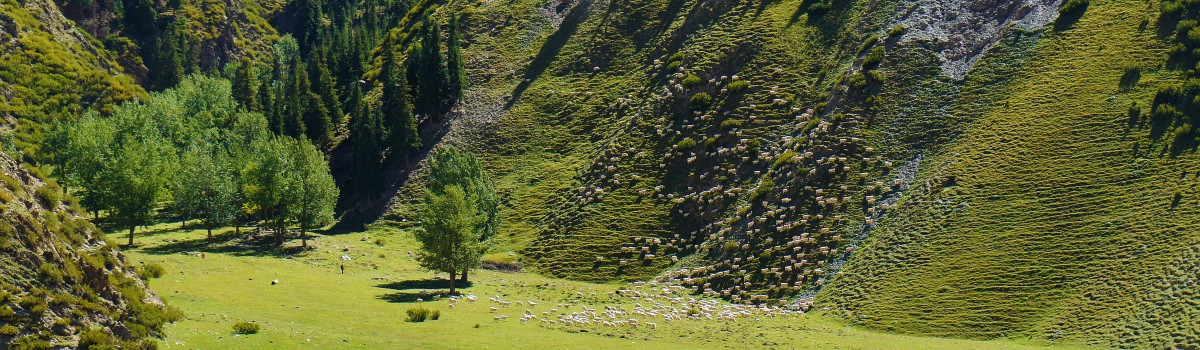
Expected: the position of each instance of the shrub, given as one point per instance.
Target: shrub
(871, 40)
(1133, 73)
(151, 270)
(898, 31)
(686, 143)
(700, 101)
(417, 314)
(738, 85)
(9, 330)
(246, 328)
(96, 338)
(874, 57)
(730, 247)
(691, 80)
(877, 76)
(50, 273)
(818, 9)
(49, 194)
(731, 124)
(435, 315)
(858, 80)
(1072, 6)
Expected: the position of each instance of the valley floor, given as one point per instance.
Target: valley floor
(315, 306)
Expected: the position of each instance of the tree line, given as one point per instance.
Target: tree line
(193, 151)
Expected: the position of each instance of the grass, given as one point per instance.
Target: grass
(1063, 216)
(315, 306)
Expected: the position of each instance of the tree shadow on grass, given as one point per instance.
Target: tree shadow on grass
(411, 290)
(229, 242)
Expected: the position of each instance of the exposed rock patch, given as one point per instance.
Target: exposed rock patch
(965, 29)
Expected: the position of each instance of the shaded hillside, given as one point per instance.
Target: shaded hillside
(63, 284)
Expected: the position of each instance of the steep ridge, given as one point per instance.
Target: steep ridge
(62, 284)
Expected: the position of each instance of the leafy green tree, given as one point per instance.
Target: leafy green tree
(268, 189)
(87, 151)
(316, 193)
(453, 167)
(206, 188)
(447, 235)
(136, 178)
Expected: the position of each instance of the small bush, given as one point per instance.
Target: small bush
(738, 86)
(871, 40)
(700, 101)
(876, 76)
(50, 273)
(731, 124)
(872, 60)
(858, 80)
(417, 314)
(1072, 6)
(686, 143)
(435, 315)
(49, 194)
(151, 270)
(246, 328)
(9, 330)
(818, 9)
(898, 31)
(691, 80)
(96, 338)
(730, 247)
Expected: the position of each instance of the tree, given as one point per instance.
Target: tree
(325, 86)
(316, 193)
(431, 73)
(243, 86)
(167, 70)
(138, 175)
(317, 125)
(455, 73)
(295, 100)
(365, 137)
(447, 236)
(397, 107)
(207, 189)
(268, 189)
(453, 167)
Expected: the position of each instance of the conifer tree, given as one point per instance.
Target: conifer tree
(397, 109)
(455, 73)
(243, 86)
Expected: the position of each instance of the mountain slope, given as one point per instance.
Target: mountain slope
(62, 284)
(987, 171)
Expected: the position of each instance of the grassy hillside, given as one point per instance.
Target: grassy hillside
(1053, 215)
(51, 70)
